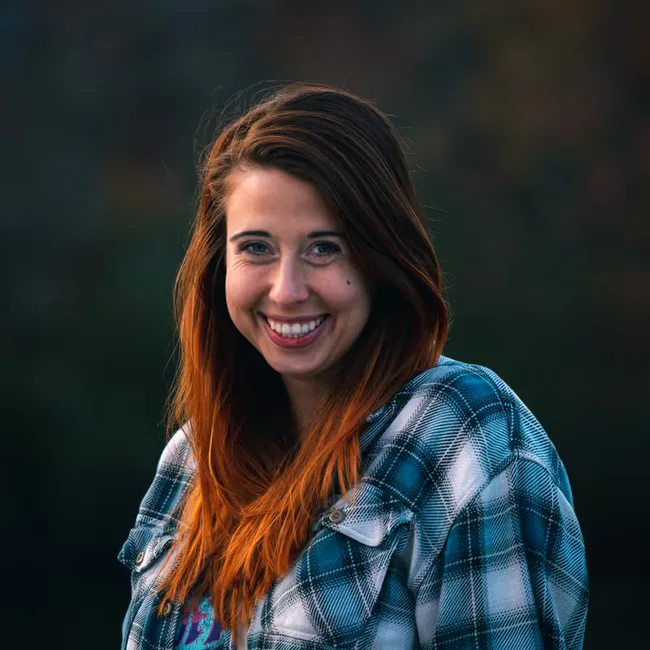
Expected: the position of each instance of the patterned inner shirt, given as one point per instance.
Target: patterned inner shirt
(198, 629)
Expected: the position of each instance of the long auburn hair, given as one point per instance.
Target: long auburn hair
(248, 511)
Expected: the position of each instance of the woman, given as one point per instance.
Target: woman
(339, 483)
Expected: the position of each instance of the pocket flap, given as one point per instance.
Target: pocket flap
(366, 514)
(143, 546)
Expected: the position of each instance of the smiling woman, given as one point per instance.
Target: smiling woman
(335, 481)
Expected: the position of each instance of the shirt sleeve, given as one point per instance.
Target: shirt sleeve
(512, 573)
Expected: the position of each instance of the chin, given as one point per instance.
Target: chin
(292, 370)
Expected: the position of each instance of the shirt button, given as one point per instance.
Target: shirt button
(139, 558)
(167, 610)
(336, 516)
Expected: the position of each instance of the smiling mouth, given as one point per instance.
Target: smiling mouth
(293, 331)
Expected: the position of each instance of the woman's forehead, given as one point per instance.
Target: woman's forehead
(276, 202)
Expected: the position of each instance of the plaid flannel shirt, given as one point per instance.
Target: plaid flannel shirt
(462, 535)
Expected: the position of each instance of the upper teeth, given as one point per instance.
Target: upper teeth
(294, 330)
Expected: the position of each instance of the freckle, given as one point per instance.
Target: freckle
(348, 281)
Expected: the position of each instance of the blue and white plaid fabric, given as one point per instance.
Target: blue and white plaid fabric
(462, 535)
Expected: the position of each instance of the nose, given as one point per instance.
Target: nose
(288, 284)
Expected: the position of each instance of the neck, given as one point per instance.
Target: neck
(304, 395)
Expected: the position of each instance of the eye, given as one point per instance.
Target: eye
(248, 248)
(330, 248)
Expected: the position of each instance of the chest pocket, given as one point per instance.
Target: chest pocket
(143, 553)
(342, 577)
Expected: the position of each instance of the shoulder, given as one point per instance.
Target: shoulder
(451, 430)
(174, 472)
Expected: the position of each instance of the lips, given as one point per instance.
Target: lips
(294, 343)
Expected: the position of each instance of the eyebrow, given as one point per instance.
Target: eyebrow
(264, 233)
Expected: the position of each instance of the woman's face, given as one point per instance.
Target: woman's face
(291, 286)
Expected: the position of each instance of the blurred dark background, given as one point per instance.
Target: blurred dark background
(530, 142)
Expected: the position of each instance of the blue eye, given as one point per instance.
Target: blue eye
(333, 248)
(248, 247)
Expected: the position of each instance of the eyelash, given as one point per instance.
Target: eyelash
(245, 248)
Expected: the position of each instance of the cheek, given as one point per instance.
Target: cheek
(349, 293)
(239, 290)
